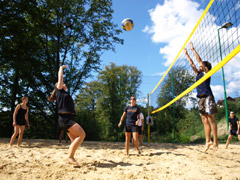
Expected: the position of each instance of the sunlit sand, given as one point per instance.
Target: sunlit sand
(47, 159)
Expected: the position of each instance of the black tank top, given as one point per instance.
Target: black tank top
(64, 101)
(20, 118)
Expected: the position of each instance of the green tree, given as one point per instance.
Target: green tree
(119, 83)
(39, 36)
(19, 51)
(86, 105)
(181, 80)
(103, 101)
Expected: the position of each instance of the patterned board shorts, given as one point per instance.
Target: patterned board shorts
(207, 105)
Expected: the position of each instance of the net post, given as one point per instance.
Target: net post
(224, 86)
(148, 116)
(120, 100)
(173, 115)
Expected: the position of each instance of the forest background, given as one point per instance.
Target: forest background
(39, 36)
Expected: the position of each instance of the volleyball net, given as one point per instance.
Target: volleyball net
(216, 38)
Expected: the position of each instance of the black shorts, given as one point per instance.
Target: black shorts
(140, 130)
(234, 133)
(133, 128)
(21, 122)
(66, 121)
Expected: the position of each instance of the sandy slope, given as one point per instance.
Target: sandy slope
(46, 159)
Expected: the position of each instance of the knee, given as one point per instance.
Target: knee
(16, 133)
(127, 138)
(204, 119)
(20, 133)
(80, 134)
(83, 134)
(211, 119)
(135, 137)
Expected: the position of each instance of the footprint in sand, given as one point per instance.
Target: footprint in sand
(11, 156)
(47, 157)
(3, 166)
(96, 163)
(47, 164)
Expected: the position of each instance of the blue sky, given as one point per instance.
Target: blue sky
(152, 46)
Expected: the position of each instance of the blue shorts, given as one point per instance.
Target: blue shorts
(133, 128)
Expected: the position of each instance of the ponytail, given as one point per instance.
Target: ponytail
(52, 98)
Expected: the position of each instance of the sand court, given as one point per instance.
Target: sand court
(46, 159)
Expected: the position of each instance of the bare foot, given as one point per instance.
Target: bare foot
(72, 161)
(215, 147)
(208, 144)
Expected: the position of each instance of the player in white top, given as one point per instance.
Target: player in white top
(141, 128)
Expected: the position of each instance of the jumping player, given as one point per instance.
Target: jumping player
(66, 114)
(206, 102)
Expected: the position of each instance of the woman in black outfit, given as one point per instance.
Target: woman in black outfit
(66, 114)
(20, 116)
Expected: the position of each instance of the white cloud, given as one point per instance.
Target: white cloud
(232, 69)
(172, 23)
(233, 87)
(189, 103)
(218, 92)
(232, 80)
(174, 20)
(142, 101)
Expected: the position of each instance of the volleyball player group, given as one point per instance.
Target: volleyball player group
(66, 112)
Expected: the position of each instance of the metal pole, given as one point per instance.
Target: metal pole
(120, 100)
(148, 116)
(173, 111)
(224, 86)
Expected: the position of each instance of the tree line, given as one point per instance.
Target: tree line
(39, 36)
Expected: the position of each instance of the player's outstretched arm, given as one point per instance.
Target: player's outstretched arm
(60, 77)
(190, 61)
